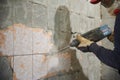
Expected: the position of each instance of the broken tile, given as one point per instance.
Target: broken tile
(42, 41)
(22, 40)
(40, 65)
(7, 45)
(23, 67)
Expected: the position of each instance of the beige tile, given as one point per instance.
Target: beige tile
(7, 44)
(41, 41)
(40, 64)
(23, 67)
(22, 40)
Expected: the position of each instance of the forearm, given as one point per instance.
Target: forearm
(109, 57)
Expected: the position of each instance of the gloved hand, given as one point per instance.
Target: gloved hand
(84, 43)
(111, 37)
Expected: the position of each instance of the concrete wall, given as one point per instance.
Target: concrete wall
(33, 31)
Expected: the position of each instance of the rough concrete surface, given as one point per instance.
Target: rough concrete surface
(31, 30)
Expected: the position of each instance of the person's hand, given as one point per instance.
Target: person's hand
(111, 37)
(84, 43)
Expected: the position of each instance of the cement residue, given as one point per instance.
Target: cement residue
(62, 27)
(68, 63)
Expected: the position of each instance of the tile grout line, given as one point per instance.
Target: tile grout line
(47, 28)
(13, 38)
(32, 39)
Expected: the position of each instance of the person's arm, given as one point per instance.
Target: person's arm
(108, 57)
(117, 34)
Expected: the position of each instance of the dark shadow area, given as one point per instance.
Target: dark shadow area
(107, 3)
(6, 72)
(4, 12)
(62, 38)
(3, 2)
